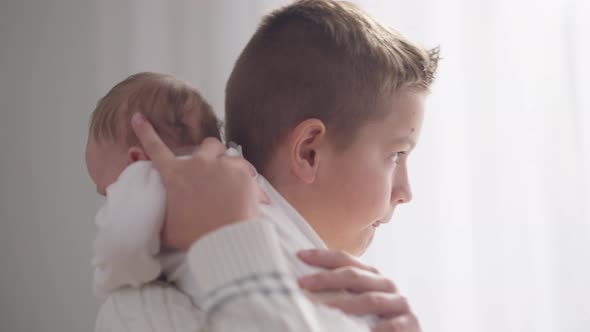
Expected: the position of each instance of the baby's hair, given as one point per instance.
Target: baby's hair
(177, 111)
(320, 59)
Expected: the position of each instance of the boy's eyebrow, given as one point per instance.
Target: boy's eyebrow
(404, 140)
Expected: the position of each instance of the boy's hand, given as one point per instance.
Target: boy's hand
(205, 192)
(373, 293)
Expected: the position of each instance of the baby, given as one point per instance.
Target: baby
(127, 248)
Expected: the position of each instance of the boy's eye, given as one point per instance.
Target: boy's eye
(395, 157)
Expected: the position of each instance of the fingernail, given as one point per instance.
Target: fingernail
(137, 119)
(305, 253)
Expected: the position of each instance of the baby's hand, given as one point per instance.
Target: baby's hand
(204, 192)
(370, 292)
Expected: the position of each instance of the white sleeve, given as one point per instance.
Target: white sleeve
(247, 287)
(156, 307)
(129, 225)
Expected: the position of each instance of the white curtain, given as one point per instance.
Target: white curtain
(498, 235)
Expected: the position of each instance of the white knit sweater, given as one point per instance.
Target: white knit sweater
(247, 286)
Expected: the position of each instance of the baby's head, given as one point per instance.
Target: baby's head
(327, 104)
(177, 111)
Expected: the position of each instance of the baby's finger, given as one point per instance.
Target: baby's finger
(332, 259)
(375, 303)
(151, 142)
(347, 278)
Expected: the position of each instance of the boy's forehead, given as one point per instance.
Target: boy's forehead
(404, 112)
(399, 124)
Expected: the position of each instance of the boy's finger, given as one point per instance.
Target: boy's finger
(347, 278)
(151, 142)
(332, 259)
(240, 163)
(264, 199)
(210, 149)
(407, 322)
(384, 304)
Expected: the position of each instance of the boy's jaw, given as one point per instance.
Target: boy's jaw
(354, 241)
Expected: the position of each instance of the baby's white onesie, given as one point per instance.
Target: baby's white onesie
(127, 249)
(127, 243)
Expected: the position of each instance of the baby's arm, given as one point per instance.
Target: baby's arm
(129, 225)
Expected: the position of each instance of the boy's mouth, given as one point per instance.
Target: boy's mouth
(383, 221)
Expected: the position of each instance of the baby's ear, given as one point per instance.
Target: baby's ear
(135, 153)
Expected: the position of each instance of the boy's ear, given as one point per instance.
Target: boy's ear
(305, 140)
(135, 153)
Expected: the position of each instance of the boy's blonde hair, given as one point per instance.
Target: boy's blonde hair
(177, 111)
(318, 59)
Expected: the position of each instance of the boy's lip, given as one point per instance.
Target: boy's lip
(384, 220)
(376, 224)
(379, 222)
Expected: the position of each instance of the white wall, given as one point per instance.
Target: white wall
(56, 59)
(47, 88)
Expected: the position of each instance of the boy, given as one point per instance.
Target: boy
(327, 104)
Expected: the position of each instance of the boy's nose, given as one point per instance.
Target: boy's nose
(401, 194)
(407, 196)
(401, 191)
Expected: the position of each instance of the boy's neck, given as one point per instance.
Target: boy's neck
(298, 194)
(307, 201)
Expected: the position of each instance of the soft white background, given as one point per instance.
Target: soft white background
(497, 237)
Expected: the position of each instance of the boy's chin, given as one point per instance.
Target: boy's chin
(364, 241)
